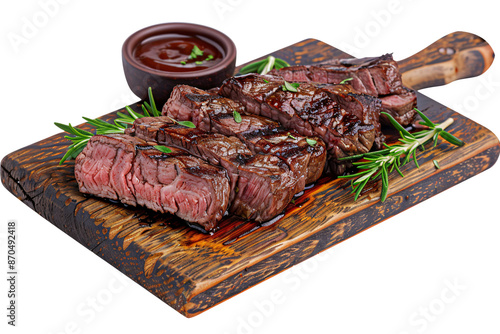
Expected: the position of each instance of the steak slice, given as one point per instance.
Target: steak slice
(365, 107)
(228, 152)
(375, 76)
(261, 135)
(401, 107)
(131, 170)
(310, 110)
(260, 186)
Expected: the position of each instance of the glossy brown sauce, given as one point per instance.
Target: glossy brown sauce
(171, 53)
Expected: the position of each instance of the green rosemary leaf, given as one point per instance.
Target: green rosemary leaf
(148, 107)
(261, 67)
(99, 123)
(74, 131)
(396, 166)
(385, 183)
(121, 124)
(291, 87)
(154, 111)
(63, 127)
(281, 62)
(397, 125)
(80, 132)
(109, 131)
(291, 136)
(124, 119)
(426, 120)
(183, 62)
(436, 164)
(269, 65)
(73, 152)
(451, 138)
(145, 111)
(187, 124)
(360, 188)
(163, 149)
(414, 154)
(311, 142)
(435, 139)
(237, 116)
(278, 66)
(345, 80)
(132, 113)
(251, 68)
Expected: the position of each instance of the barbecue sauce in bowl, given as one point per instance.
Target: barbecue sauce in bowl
(159, 57)
(178, 53)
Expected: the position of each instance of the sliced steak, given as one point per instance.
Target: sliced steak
(365, 107)
(264, 136)
(401, 107)
(130, 170)
(375, 76)
(311, 111)
(261, 186)
(261, 135)
(217, 149)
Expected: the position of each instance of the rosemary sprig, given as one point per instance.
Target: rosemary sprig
(264, 66)
(381, 163)
(81, 137)
(345, 80)
(80, 140)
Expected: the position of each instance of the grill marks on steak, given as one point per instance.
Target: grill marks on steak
(212, 147)
(311, 110)
(260, 134)
(375, 76)
(364, 107)
(129, 169)
(261, 186)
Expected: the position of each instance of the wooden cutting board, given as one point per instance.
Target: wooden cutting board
(191, 271)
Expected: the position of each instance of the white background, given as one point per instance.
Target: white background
(394, 278)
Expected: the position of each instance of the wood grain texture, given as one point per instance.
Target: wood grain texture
(455, 56)
(191, 271)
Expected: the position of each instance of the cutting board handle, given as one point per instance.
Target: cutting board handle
(455, 56)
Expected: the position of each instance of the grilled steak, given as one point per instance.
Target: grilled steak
(261, 135)
(375, 76)
(401, 107)
(365, 107)
(130, 170)
(310, 110)
(261, 186)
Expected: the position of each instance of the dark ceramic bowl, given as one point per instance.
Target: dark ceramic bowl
(140, 77)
